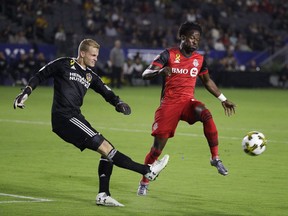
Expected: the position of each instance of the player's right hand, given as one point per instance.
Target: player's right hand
(22, 97)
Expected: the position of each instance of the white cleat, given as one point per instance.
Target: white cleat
(157, 167)
(105, 200)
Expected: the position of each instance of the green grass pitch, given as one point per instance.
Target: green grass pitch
(51, 177)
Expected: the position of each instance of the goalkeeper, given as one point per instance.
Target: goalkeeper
(72, 78)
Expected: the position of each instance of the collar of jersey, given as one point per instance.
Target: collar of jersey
(79, 64)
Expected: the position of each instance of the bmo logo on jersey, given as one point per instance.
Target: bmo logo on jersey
(193, 71)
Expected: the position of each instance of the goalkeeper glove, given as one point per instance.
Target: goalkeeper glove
(22, 97)
(123, 108)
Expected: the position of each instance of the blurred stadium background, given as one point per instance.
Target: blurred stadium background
(244, 41)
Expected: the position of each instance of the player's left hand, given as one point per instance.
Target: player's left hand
(229, 107)
(123, 108)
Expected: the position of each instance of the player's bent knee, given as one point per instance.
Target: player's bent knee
(94, 142)
(205, 115)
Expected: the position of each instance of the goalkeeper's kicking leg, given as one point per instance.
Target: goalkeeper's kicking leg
(78, 132)
(111, 155)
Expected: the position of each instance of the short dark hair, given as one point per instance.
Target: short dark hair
(187, 26)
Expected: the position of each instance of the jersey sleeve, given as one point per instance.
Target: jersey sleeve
(100, 87)
(44, 73)
(161, 60)
(204, 68)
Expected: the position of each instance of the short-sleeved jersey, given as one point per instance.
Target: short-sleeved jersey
(180, 85)
(71, 82)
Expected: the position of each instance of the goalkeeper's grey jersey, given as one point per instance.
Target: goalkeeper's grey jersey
(71, 82)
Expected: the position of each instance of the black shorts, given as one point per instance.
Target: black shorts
(75, 130)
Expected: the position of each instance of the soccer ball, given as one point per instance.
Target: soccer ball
(254, 143)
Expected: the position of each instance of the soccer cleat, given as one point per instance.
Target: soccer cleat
(142, 189)
(105, 200)
(220, 167)
(156, 168)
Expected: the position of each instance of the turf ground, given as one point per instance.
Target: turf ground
(42, 175)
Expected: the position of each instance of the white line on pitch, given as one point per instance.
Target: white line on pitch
(131, 130)
(24, 122)
(28, 199)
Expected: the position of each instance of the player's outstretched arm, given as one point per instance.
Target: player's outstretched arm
(22, 97)
(229, 107)
(100, 87)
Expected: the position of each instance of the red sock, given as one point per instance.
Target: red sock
(214, 151)
(150, 158)
(210, 132)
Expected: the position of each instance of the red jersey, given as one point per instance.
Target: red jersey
(180, 85)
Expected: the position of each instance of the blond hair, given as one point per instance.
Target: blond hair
(86, 43)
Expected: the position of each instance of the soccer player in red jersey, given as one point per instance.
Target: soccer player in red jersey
(180, 67)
